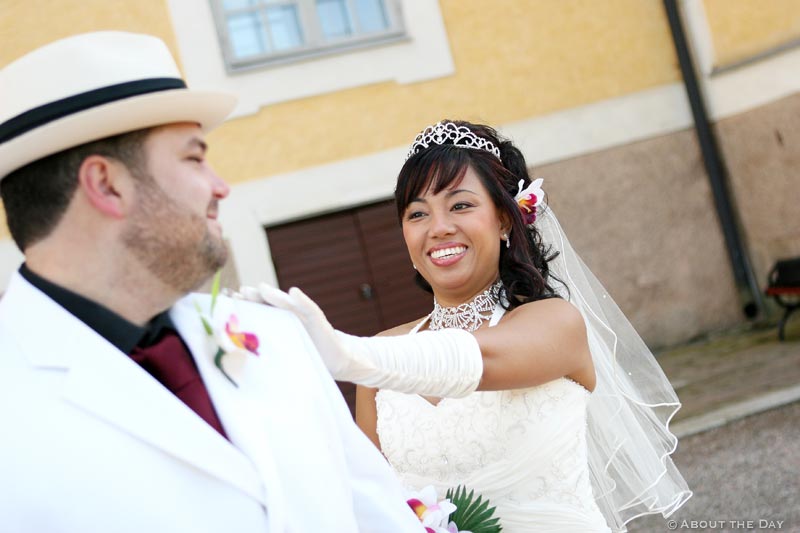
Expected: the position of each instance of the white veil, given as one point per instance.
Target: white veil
(628, 434)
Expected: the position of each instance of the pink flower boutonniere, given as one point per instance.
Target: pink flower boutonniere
(230, 340)
(241, 339)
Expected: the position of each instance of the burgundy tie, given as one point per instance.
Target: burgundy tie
(169, 361)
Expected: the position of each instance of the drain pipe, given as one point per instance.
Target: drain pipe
(746, 284)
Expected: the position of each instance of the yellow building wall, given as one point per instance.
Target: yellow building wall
(741, 29)
(29, 24)
(514, 59)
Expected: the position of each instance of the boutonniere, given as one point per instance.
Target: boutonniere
(229, 340)
(529, 199)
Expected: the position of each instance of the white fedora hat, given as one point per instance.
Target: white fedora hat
(91, 86)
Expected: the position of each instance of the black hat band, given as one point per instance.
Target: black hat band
(49, 112)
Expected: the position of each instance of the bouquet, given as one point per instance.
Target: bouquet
(459, 512)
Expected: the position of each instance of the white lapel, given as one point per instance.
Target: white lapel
(107, 384)
(242, 408)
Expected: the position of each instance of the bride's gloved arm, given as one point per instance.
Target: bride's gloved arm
(445, 363)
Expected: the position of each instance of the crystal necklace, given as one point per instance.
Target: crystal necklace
(468, 316)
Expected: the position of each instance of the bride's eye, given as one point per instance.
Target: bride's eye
(414, 215)
(461, 206)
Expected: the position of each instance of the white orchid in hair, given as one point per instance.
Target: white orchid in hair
(529, 199)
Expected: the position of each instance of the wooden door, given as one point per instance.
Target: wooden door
(354, 264)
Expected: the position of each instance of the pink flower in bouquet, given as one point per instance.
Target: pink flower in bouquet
(432, 513)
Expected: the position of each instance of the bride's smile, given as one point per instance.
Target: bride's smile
(447, 254)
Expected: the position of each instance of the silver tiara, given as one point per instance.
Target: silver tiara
(450, 133)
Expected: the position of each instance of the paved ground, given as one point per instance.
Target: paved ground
(744, 470)
(732, 368)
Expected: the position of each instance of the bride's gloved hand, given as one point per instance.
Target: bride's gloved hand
(445, 363)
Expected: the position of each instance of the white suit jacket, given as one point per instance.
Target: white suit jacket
(90, 442)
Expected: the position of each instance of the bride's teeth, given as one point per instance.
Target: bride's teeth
(445, 252)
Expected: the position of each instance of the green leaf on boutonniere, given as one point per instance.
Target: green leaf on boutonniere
(206, 325)
(472, 514)
(218, 364)
(215, 290)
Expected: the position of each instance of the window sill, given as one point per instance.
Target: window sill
(296, 56)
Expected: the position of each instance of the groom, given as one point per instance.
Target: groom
(115, 415)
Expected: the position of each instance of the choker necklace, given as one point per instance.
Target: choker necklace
(467, 316)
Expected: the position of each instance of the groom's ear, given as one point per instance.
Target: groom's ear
(107, 185)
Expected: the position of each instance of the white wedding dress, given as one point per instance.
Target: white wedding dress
(525, 450)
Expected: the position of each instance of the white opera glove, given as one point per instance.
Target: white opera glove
(445, 363)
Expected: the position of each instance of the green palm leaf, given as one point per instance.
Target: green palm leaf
(472, 513)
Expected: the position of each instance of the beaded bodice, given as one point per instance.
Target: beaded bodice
(457, 439)
(523, 449)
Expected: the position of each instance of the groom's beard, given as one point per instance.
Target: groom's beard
(173, 243)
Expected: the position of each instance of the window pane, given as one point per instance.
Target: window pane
(238, 4)
(371, 15)
(285, 27)
(246, 35)
(333, 18)
(255, 31)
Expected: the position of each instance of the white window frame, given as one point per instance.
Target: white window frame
(314, 43)
(423, 55)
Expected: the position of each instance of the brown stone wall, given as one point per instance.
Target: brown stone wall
(762, 151)
(642, 218)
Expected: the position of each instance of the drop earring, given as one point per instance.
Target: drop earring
(507, 238)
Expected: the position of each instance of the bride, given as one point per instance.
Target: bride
(551, 406)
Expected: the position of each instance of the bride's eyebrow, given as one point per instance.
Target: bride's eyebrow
(453, 193)
(448, 195)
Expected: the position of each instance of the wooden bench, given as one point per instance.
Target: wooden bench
(784, 286)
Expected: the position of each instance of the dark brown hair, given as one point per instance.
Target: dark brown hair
(37, 195)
